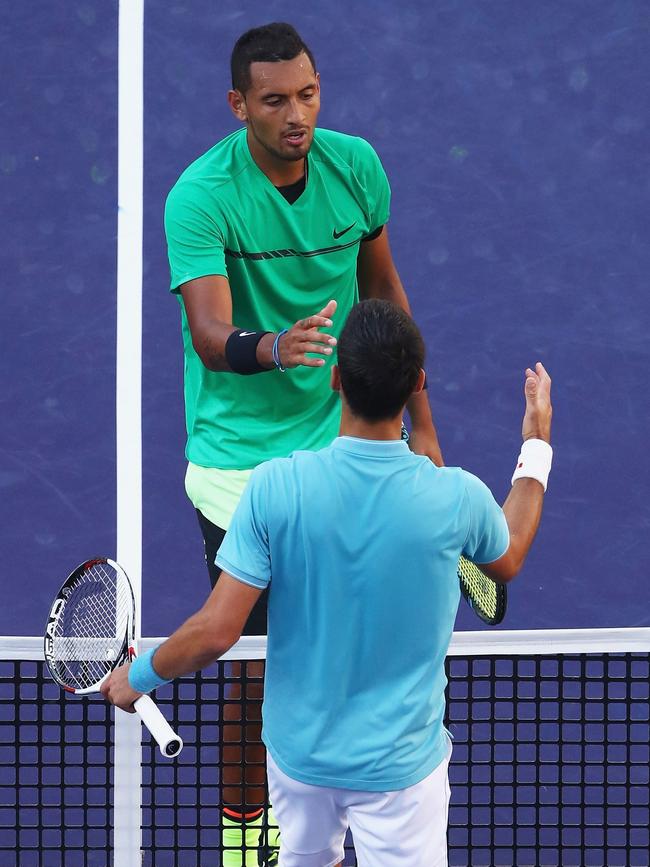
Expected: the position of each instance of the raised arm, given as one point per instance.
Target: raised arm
(378, 278)
(523, 505)
(224, 347)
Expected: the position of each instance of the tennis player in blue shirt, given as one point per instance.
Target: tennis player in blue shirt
(358, 544)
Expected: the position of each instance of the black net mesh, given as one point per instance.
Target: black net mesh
(550, 762)
(550, 766)
(55, 773)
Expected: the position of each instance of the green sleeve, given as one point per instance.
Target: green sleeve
(195, 238)
(377, 187)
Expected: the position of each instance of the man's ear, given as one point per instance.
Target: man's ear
(419, 385)
(237, 104)
(335, 378)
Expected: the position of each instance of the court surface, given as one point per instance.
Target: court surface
(515, 139)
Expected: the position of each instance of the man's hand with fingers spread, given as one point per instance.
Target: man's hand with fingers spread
(303, 337)
(537, 417)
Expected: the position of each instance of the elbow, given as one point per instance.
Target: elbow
(221, 639)
(513, 566)
(204, 347)
(503, 570)
(208, 652)
(201, 349)
(205, 360)
(209, 640)
(507, 575)
(223, 643)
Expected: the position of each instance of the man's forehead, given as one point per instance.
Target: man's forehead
(282, 75)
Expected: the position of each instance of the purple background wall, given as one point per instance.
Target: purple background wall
(515, 138)
(58, 183)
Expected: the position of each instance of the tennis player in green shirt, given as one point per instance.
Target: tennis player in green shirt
(273, 235)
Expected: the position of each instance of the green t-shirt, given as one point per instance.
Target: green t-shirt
(283, 262)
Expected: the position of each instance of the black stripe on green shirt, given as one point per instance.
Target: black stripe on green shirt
(285, 254)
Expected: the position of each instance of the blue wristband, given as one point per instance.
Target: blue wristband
(142, 675)
(275, 352)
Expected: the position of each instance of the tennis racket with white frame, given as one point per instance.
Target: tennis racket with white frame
(91, 631)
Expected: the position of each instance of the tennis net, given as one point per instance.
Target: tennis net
(551, 758)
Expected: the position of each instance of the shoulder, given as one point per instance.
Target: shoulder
(296, 462)
(453, 483)
(212, 173)
(476, 491)
(289, 473)
(344, 149)
(470, 482)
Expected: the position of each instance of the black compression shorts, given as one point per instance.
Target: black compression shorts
(213, 537)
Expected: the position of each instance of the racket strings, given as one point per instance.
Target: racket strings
(481, 591)
(90, 633)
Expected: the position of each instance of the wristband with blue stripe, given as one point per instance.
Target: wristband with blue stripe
(142, 675)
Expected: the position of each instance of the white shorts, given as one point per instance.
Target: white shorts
(406, 828)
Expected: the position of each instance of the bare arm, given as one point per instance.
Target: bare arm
(202, 639)
(210, 632)
(208, 306)
(523, 505)
(376, 272)
(378, 278)
(523, 510)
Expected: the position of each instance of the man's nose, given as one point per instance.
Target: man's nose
(295, 113)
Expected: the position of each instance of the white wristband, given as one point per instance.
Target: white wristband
(534, 462)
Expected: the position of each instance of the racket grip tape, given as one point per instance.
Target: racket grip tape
(169, 742)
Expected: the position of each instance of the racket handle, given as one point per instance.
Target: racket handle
(169, 742)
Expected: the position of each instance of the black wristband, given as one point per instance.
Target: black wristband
(241, 352)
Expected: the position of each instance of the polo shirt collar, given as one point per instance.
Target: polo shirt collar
(372, 448)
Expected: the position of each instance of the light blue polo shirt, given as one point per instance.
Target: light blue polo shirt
(360, 543)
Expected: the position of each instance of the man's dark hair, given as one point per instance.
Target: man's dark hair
(267, 44)
(380, 355)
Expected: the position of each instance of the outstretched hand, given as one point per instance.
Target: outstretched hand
(537, 417)
(305, 337)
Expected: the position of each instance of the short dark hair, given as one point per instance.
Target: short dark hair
(267, 44)
(380, 355)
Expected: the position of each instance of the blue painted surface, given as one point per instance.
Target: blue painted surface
(58, 152)
(515, 138)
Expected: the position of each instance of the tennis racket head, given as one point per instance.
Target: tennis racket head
(485, 597)
(90, 627)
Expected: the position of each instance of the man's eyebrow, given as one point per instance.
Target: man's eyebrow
(272, 93)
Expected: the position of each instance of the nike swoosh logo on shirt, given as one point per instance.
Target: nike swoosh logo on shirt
(339, 234)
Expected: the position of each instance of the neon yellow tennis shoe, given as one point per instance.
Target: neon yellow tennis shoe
(250, 844)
